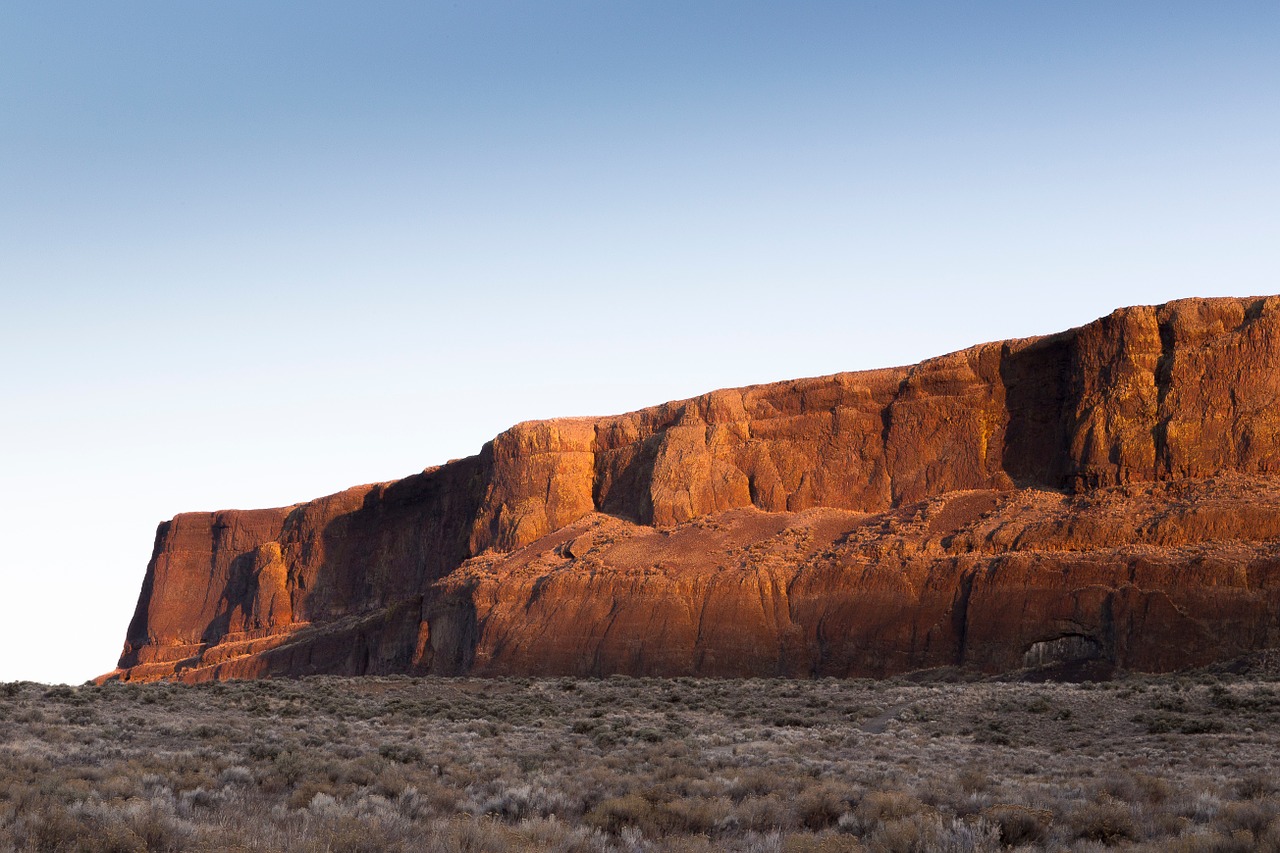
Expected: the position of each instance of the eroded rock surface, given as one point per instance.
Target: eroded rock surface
(1109, 489)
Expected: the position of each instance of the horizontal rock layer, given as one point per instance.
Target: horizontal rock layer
(1105, 494)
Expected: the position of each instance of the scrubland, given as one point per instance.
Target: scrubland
(1176, 763)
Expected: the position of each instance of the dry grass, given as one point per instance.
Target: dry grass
(1169, 764)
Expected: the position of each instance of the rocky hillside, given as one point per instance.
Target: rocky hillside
(1103, 497)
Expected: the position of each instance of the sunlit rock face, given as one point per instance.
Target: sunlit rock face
(1107, 494)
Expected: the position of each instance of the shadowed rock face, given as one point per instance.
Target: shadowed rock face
(1106, 494)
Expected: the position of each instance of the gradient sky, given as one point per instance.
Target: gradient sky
(252, 253)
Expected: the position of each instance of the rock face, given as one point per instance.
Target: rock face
(1107, 496)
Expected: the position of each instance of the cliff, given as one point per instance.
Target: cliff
(1102, 497)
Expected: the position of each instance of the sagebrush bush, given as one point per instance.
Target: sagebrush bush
(1109, 821)
(1017, 825)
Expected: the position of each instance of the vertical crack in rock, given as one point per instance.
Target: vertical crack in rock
(1164, 381)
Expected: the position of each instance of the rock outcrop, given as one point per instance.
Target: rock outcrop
(1103, 497)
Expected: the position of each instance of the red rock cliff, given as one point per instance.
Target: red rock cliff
(1105, 494)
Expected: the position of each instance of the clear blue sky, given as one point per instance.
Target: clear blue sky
(251, 253)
